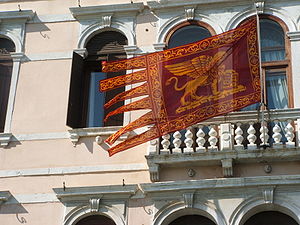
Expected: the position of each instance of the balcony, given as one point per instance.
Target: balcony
(238, 137)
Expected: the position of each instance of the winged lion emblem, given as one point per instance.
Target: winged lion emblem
(205, 71)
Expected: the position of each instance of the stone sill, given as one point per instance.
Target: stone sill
(98, 132)
(226, 159)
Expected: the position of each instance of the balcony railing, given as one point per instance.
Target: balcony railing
(235, 136)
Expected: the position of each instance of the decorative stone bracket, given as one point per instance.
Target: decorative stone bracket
(95, 204)
(188, 199)
(268, 194)
(154, 172)
(227, 167)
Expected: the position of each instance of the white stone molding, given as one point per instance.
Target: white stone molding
(260, 6)
(4, 196)
(95, 204)
(159, 46)
(175, 209)
(5, 139)
(255, 204)
(294, 36)
(154, 172)
(106, 20)
(12, 26)
(189, 13)
(165, 26)
(76, 134)
(96, 19)
(188, 199)
(81, 202)
(82, 52)
(227, 166)
(57, 171)
(268, 194)
(250, 11)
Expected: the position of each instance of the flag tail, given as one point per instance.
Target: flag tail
(137, 105)
(144, 120)
(132, 93)
(134, 141)
(126, 64)
(120, 81)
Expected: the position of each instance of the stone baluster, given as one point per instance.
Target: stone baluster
(277, 135)
(188, 140)
(264, 137)
(251, 137)
(212, 138)
(200, 139)
(289, 134)
(176, 142)
(238, 137)
(165, 144)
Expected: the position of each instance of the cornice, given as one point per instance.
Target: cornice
(117, 192)
(94, 11)
(24, 15)
(218, 184)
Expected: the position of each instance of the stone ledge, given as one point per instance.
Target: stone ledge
(219, 157)
(98, 132)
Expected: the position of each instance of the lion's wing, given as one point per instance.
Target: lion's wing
(183, 68)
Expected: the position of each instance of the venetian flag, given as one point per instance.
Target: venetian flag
(185, 85)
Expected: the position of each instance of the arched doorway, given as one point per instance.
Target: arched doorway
(96, 220)
(270, 218)
(192, 220)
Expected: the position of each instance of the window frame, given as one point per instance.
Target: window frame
(188, 23)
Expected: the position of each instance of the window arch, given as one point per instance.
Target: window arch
(96, 220)
(6, 65)
(188, 32)
(192, 219)
(86, 103)
(270, 217)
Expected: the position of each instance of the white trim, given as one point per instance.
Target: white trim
(32, 198)
(54, 171)
(40, 136)
(250, 11)
(49, 56)
(58, 18)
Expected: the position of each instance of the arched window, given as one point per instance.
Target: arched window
(187, 33)
(192, 219)
(85, 101)
(96, 220)
(275, 63)
(270, 217)
(6, 65)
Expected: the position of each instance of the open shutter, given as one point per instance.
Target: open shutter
(75, 107)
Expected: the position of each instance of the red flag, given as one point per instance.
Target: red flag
(188, 84)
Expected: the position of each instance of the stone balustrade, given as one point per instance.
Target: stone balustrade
(225, 138)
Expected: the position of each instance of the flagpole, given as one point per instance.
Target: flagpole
(262, 100)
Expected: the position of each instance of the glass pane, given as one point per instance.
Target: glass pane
(6, 46)
(272, 41)
(277, 94)
(96, 101)
(188, 34)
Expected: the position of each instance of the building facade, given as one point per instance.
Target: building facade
(238, 169)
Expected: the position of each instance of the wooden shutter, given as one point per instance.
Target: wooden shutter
(75, 107)
(5, 78)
